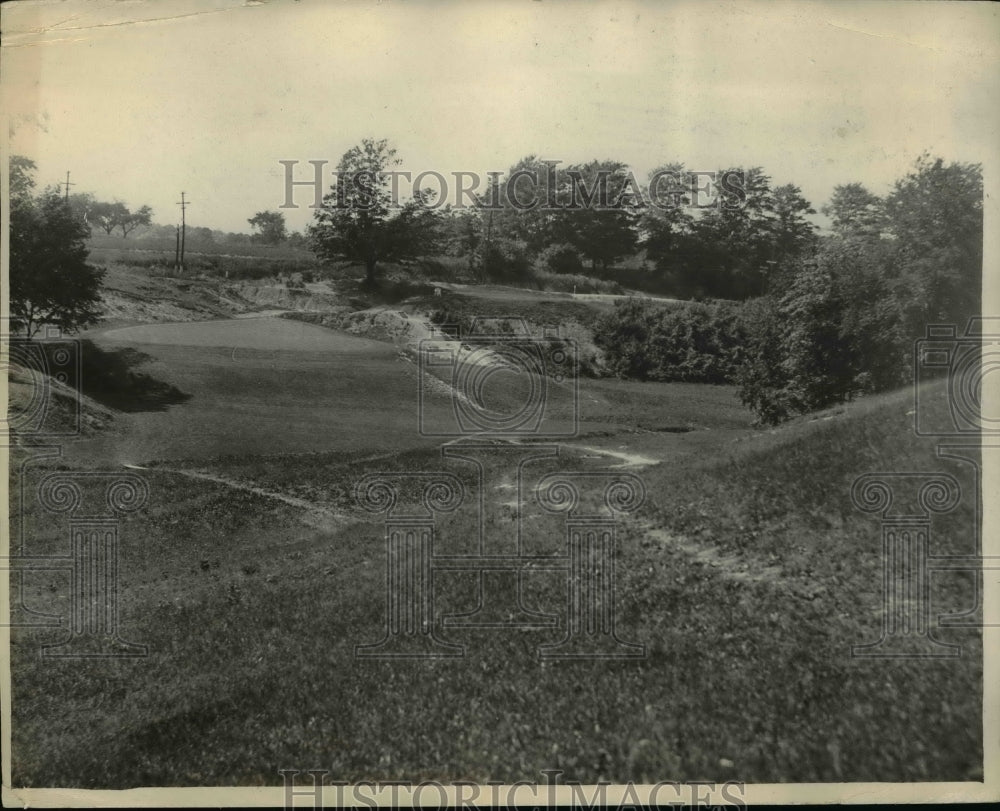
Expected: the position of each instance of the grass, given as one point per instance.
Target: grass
(138, 245)
(303, 389)
(575, 283)
(748, 576)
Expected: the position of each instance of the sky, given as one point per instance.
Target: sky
(141, 99)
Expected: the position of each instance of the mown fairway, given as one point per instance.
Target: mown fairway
(262, 386)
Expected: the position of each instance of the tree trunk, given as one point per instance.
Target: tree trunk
(370, 263)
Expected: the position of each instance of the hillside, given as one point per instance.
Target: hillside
(748, 575)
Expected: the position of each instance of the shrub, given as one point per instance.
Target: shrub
(506, 260)
(762, 378)
(693, 343)
(561, 258)
(836, 332)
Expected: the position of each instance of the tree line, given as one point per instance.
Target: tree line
(109, 217)
(838, 322)
(796, 319)
(562, 220)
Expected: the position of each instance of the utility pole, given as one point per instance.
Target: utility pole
(183, 204)
(177, 249)
(67, 184)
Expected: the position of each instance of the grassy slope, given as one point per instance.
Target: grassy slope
(748, 576)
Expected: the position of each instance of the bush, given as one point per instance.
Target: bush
(763, 378)
(693, 343)
(506, 260)
(561, 258)
(835, 333)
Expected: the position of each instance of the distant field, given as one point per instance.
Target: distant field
(104, 247)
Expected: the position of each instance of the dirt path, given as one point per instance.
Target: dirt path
(315, 515)
(629, 460)
(739, 567)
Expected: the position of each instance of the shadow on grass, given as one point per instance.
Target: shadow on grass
(109, 377)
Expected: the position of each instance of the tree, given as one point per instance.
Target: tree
(665, 229)
(269, 227)
(792, 234)
(856, 212)
(82, 203)
(729, 249)
(133, 219)
(199, 237)
(107, 215)
(603, 230)
(520, 204)
(357, 222)
(561, 258)
(696, 343)
(935, 215)
(461, 234)
(736, 235)
(21, 181)
(834, 333)
(50, 280)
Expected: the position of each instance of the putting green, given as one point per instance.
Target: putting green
(280, 334)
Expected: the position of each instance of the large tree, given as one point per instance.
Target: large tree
(792, 235)
(935, 215)
(269, 227)
(520, 205)
(728, 249)
(856, 212)
(22, 182)
(133, 219)
(106, 216)
(665, 228)
(109, 216)
(50, 280)
(359, 220)
(845, 323)
(602, 210)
